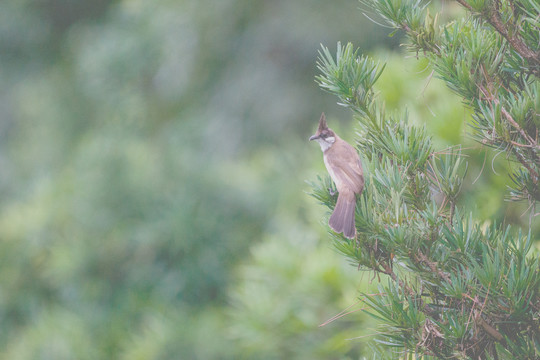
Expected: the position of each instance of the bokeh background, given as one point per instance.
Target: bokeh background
(153, 167)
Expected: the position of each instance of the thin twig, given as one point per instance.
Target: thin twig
(432, 266)
(522, 160)
(488, 328)
(513, 122)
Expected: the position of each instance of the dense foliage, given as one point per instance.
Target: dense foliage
(456, 288)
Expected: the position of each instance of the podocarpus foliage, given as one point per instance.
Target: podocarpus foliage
(453, 289)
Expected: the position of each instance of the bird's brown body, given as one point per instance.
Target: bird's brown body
(345, 169)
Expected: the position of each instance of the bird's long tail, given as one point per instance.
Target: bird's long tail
(342, 219)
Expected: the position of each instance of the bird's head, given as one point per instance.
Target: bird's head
(324, 136)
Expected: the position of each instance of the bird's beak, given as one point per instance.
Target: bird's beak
(314, 137)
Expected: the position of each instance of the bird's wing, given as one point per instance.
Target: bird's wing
(346, 168)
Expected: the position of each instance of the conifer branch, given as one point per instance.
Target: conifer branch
(492, 16)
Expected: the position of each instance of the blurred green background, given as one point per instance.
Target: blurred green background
(153, 158)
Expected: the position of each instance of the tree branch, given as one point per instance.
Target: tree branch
(531, 141)
(488, 328)
(513, 122)
(493, 18)
(421, 257)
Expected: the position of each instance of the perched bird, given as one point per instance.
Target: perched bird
(345, 169)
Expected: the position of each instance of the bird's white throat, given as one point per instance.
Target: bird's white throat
(326, 143)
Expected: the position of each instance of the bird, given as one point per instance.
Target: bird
(345, 169)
